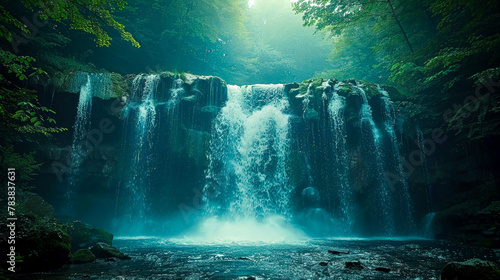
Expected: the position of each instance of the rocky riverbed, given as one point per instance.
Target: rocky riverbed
(155, 258)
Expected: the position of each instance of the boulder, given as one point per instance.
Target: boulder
(383, 269)
(474, 269)
(335, 252)
(35, 204)
(84, 236)
(102, 251)
(354, 265)
(83, 256)
(45, 246)
(289, 86)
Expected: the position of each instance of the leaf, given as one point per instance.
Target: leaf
(34, 119)
(38, 123)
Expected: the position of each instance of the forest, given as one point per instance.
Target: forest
(230, 120)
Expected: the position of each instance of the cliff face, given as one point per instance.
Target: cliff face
(461, 170)
(330, 164)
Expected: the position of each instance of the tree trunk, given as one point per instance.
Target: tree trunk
(399, 24)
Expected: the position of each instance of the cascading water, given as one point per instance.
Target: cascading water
(428, 225)
(404, 200)
(371, 136)
(336, 109)
(247, 180)
(421, 145)
(142, 117)
(81, 126)
(87, 85)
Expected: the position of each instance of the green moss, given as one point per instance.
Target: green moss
(105, 236)
(83, 256)
(120, 86)
(57, 239)
(167, 74)
(84, 236)
(369, 88)
(344, 89)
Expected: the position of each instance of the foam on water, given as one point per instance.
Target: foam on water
(244, 231)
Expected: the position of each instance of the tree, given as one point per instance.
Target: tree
(447, 41)
(20, 113)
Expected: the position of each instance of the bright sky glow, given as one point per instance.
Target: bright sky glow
(251, 3)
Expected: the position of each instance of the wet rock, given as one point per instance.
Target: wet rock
(383, 269)
(210, 111)
(332, 81)
(102, 251)
(354, 265)
(46, 246)
(335, 252)
(343, 89)
(83, 256)
(394, 93)
(288, 87)
(311, 114)
(84, 236)
(474, 269)
(35, 204)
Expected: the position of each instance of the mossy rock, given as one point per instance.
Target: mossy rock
(34, 204)
(297, 94)
(84, 235)
(370, 89)
(394, 93)
(288, 87)
(83, 256)
(48, 246)
(311, 114)
(120, 85)
(344, 89)
(102, 250)
(474, 269)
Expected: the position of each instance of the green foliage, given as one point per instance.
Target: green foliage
(24, 163)
(119, 85)
(452, 40)
(20, 66)
(21, 113)
(86, 15)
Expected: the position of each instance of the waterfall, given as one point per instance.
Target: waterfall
(141, 117)
(404, 200)
(428, 224)
(247, 184)
(421, 145)
(87, 85)
(80, 128)
(336, 109)
(306, 100)
(372, 137)
(248, 151)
